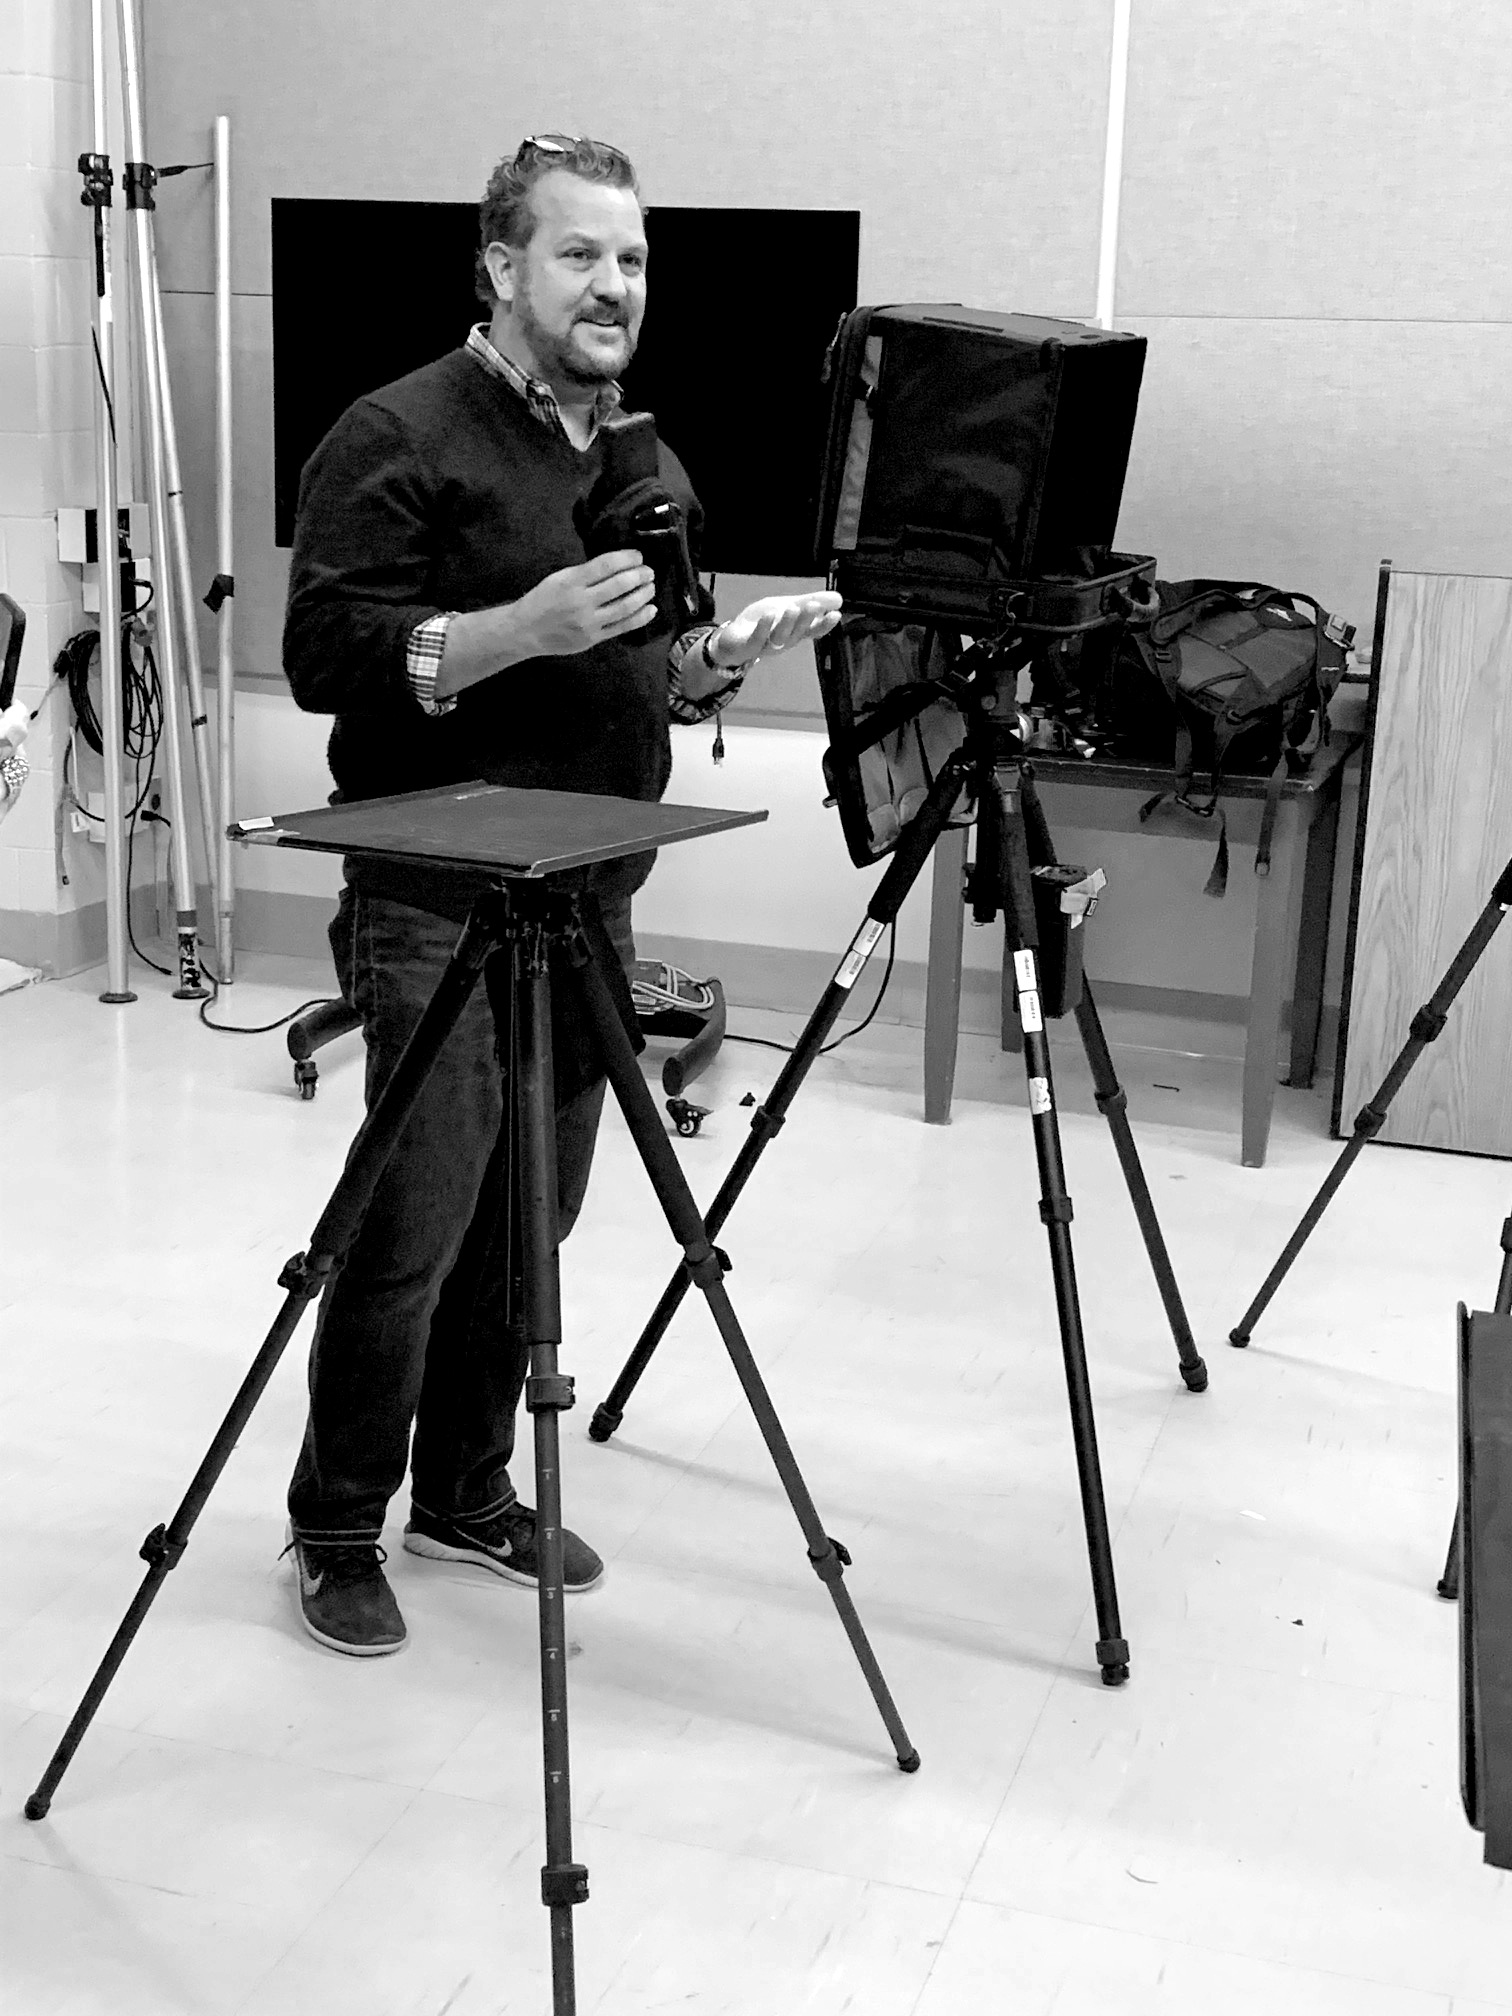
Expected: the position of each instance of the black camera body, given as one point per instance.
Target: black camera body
(630, 505)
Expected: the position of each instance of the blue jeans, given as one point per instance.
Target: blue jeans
(415, 1326)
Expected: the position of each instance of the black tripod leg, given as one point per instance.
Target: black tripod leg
(913, 850)
(1005, 833)
(304, 1277)
(564, 1882)
(1113, 1104)
(705, 1269)
(1427, 1024)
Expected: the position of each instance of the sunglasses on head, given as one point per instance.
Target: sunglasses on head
(557, 143)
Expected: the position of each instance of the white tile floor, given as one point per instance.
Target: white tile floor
(1265, 1820)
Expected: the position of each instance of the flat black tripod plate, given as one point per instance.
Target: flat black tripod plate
(513, 833)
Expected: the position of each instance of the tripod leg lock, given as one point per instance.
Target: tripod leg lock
(830, 1565)
(550, 1394)
(564, 1883)
(765, 1123)
(1055, 1211)
(1116, 1101)
(158, 1551)
(1427, 1024)
(1369, 1121)
(707, 1269)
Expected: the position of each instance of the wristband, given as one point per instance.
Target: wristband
(726, 672)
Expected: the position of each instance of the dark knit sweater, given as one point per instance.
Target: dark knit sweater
(443, 491)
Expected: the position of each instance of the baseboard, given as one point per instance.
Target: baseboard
(67, 941)
(790, 981)
(783, 978)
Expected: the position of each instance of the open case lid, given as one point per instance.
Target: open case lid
(513, 832)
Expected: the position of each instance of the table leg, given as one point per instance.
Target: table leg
(1312, 938)
(1276, 924)
(942, 981)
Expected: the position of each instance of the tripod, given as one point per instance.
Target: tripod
(1013, 841)
(509, 941)
(1426, 1026)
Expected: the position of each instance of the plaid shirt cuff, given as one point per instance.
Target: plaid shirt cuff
(691, 712)
(14, 772)
(422, 661)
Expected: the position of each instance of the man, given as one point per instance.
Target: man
(441, 608)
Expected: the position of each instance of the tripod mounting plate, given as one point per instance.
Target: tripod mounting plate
(517, 834)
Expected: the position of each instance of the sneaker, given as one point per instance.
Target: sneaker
(345, 1601)
(505, 1545)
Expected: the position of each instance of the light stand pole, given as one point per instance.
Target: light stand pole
(95, 168)
(183, 581)
(222, 589)
(137, 181)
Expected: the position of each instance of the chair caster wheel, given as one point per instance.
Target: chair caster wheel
(306, 1076)
(686, 1117)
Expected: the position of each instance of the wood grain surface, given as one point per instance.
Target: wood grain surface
(1438, 833)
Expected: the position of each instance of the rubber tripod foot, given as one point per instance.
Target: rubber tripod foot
(1239, 1338)
(1448, 1590)
(37, 1808)
(1114, 1676)
(910, 1762)
(1195, 1376)
(603, 1424)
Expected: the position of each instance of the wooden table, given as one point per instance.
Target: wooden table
(1293, 911)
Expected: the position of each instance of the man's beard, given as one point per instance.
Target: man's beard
(556, 355)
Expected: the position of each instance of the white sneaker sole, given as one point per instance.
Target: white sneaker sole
(321, 1637)
(440, 1550)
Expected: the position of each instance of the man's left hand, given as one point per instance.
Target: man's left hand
(774, 623)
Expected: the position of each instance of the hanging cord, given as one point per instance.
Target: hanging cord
(787, 1049)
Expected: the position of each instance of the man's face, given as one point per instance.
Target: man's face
(577, 291)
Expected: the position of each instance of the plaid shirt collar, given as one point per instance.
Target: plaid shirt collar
(536, 393)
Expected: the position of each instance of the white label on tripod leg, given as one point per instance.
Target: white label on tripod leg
(861, 948)
(1039, 1095)
(1023, 971)
(1029, 1013)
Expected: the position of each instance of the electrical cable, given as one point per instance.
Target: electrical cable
(787, 1049)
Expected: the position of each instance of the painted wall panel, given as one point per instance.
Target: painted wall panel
(1319, 158)
(1304, 453)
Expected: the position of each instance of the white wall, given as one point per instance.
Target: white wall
(1314, 242)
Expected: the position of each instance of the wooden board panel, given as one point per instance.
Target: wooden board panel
(1438, 833)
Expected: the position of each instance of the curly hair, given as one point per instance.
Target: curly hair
(506, 215)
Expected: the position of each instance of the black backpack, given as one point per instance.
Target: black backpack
(1227, 676)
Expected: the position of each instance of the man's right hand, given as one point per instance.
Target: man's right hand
(579, 607)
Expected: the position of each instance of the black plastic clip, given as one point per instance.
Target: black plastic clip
(221, 589)
(833, 1562)
(551, 1393)
(158, 1551)
(98, 181)
(1427, 1024)
(567, 1883)
(1055, 1211)
(138, 179)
